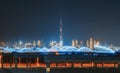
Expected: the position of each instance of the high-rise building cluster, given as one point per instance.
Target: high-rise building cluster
(21, 44)
(76, 43)
(89, 43)
(30, 44)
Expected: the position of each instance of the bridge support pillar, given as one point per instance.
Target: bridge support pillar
(19, 61)
(56, 64)
(30, 62)
(115, 65)
(37, 61)
(95, 65)
(1, 62)
(72, 64)
(81, 64)
(27, 63)
(103, 65)
(10, 62)
(15, 62)
(47, 67)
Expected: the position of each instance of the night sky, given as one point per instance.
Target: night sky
(39, 19)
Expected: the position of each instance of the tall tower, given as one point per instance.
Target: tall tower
(39, 43)
(76, 43)
(61, 33)
(91, 43)
(73, 43)
(87, 43)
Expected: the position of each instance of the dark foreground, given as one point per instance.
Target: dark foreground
(62, 70)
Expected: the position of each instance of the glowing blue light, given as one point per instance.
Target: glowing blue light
(97, 49)
(103, 49)
(84, 49)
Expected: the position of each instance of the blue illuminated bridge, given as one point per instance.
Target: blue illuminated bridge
(66, 56)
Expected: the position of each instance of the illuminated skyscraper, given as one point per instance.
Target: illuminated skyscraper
(87, 43)
(111, 46)
(39, 43)
(91, 43)
(34, 44)
(73, 43)
(97, 43)
(20, 44)
(61, 38)
(81, 43)
(15, 45)
(76, 43)
(28, 45)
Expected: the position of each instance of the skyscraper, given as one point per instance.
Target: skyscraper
(73, 43)
(76, 43)
(91, 43)
(87, 43)
(61, 33)
(39, 43)
(81, 43)
(34, 44)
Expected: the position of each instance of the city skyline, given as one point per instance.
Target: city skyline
(33, 20)
(59, 36)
